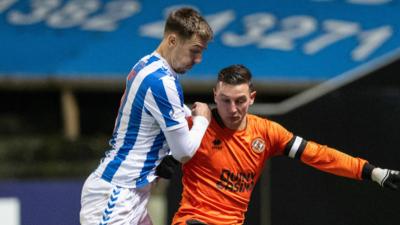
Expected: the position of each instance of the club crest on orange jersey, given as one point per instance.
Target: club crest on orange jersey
(258, 145)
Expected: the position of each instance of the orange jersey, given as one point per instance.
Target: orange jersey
(219, 179)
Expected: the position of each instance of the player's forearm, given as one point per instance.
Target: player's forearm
(333, 161)
(184, 143)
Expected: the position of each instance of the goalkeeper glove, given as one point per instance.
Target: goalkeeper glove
(386, 178)
(167, 167)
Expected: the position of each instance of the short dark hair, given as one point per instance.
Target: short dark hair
(236, 74)
(186, 22)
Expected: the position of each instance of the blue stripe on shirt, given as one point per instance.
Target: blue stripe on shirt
(135, 70)
(161, 98)
(135, 119)
(151, 158)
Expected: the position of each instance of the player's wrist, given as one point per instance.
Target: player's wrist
(367, 171)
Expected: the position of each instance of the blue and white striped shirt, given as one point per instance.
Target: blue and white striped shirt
(152, 104)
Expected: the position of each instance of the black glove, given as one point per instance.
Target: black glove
(167, 167)
(386, 178)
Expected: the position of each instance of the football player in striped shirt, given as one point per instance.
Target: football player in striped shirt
(219, 179)
(150, 122)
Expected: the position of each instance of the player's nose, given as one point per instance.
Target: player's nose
(198, 58)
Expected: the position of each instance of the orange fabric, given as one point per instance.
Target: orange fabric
(333, 161)
(219, 179)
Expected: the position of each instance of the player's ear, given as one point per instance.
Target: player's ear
(252, 97)
(172, 40)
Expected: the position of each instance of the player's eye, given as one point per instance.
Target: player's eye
(195, 51)
(226, 101)
(241, 101)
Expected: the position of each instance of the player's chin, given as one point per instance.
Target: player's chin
(181, 71)
(235, 121)
(187, 68)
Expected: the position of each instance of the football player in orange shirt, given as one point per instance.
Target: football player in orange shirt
(219, 179)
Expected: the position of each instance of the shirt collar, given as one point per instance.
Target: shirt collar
(165, 63)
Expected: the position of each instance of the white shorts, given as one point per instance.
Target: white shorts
(103, 203)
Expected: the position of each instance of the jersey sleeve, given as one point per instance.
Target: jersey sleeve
(332, 161)
(313, 154)
(278, 137)
(184, 143)
(165, 104)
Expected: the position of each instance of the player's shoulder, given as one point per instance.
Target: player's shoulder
(161, 66)
(260, 122)
(153, 64)
(265, 126)
(254, 119)
(255, 122)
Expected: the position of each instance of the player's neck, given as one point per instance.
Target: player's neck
(241, 126)
(163, 51)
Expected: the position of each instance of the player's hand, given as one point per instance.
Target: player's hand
(201, 109)
(166, 169)
(386, 178)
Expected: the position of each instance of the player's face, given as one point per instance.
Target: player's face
(186, 53)
(233, 102)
